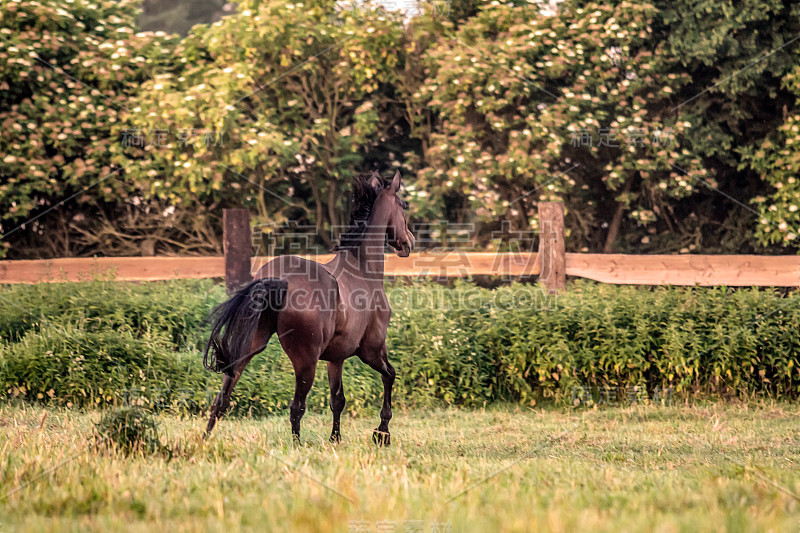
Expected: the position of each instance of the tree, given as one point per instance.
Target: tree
(777, 160)
(68, 69)
(292, 95)
(634, 114)
(524, 100)
(740, 56)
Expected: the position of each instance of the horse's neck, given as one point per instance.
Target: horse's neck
(370, 252)
(366, 261)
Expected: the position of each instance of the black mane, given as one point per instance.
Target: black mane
(364, 196)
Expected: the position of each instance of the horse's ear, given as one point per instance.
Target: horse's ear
(375, 181)
(396, 181)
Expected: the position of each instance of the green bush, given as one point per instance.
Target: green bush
(130, 430)
(107, 343)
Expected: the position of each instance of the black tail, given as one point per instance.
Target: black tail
(239, 318)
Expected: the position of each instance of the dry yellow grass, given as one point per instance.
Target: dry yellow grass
(707, 468)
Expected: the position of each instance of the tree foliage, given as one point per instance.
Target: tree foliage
(778, 162)
(294, 103)
(631, 114)
(663, 126)
(555, 108)
(69, 69)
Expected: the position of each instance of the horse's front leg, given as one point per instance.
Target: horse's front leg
(379, 360)
(387, 375)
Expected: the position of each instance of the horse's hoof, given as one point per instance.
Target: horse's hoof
(336, 438)
(296, 439)
(381, 438)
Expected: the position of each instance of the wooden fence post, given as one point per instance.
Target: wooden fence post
(236, 245)
(551, 246)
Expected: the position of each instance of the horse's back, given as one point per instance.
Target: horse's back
(307, 320)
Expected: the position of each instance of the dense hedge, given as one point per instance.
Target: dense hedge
(104, 342)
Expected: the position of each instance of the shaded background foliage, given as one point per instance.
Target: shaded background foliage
(485, 106)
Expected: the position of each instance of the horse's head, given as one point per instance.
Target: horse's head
(397, 233)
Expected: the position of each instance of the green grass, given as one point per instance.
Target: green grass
(690, 468)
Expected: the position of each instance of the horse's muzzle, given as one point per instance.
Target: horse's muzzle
(404, 248)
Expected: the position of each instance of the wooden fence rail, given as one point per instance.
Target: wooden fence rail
(551, 264)
(707, 270)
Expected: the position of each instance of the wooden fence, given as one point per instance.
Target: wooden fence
(551, 263)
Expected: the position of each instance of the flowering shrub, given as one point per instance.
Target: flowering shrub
(778, 162)
(292, 102)
(655, 123)
(68, 71)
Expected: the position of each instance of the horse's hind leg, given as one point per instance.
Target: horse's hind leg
(337, 396)
(304, 370)
(222, 401)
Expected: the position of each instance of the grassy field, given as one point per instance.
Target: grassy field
(690, 468)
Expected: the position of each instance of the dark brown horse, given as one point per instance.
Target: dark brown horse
(326, 312)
